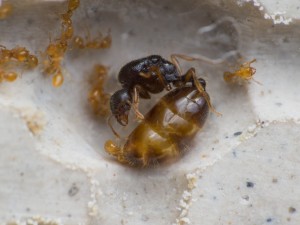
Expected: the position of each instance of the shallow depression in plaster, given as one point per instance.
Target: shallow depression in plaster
(72, 139)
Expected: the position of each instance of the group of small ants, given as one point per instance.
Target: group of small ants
(55, 51)
(50, 60)
(139, 79)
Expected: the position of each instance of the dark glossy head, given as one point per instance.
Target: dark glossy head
(120, 104)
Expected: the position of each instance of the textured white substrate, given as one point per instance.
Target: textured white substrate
(243, 167)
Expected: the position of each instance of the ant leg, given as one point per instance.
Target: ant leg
(160, 76)
(145, 75)
(115, 150)
(256, 81)
(191, 76)
(200, 58)
(88, 34)
(174, 60)
(247, 64)
(135, 104)
(112, 128)
(163, 80)
(228, 77)
(142, 92)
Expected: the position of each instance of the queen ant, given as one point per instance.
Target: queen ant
(166, 130)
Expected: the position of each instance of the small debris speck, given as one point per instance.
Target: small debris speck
(269, 220)
(250, 184)
(274, 180)
(292, 210)
(245, 197)
(73, 190)
(237, 133)
(251, 129)
(145, 218)
(234, 153)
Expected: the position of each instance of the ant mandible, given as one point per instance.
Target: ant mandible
(152, 74)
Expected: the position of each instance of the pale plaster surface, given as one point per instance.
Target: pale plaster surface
(243, 167)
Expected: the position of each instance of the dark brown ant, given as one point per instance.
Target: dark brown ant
(151, 74)
(162, 136)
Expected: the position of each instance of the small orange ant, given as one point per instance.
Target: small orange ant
(73, 5)
(8, 76)
(245, 72)
(19, 56)
(96, 43)
(5, 10)
(52, 65)
(32, 61)
(5, 55)
(98, 99)
(78, 42)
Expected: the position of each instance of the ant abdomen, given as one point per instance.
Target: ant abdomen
(173, 121)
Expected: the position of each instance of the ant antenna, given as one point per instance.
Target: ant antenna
(201, 58)
(112, 128)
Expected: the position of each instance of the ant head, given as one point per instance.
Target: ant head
(120, 104)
